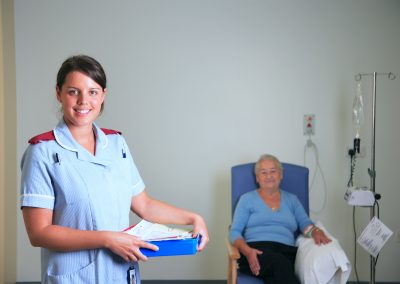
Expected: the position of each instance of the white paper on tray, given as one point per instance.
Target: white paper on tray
(149, 231)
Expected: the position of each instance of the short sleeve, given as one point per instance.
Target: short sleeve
(36, 184)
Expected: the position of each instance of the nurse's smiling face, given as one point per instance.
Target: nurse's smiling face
(81, 99)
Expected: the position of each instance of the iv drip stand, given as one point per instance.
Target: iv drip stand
(371, 171)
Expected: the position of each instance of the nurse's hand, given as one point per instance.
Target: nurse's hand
(127, 246)
(199, 227)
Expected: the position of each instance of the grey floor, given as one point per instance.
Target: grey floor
(206, 282)
(164, 282)
(184, 281)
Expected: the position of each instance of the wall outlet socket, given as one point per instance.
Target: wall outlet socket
(309, 124)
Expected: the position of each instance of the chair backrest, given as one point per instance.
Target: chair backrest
(295, 180)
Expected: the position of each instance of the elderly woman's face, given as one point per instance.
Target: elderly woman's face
(268, 175)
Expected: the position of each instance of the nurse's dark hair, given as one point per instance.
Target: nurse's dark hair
(86, 65)
(268, 157)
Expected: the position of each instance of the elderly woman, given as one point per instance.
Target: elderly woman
(265, 223)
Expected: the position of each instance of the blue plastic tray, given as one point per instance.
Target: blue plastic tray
(173, 247)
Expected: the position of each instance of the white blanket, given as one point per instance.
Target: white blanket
(321, 264)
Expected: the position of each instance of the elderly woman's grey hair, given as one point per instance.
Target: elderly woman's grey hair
(268, 157)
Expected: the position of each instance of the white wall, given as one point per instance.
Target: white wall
(199, 86)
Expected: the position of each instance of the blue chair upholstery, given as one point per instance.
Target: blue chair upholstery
(295, 180)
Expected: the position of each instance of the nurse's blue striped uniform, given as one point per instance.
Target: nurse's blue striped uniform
(85, 192)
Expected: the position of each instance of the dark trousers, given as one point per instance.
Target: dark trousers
(276, 263)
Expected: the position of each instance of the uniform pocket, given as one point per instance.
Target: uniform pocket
(84, 275)
(72, 267)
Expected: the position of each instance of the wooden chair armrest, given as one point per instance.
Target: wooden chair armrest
(233, 252)
(233, 256)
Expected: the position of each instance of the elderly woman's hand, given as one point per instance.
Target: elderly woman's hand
(252, 259)
(319, 236)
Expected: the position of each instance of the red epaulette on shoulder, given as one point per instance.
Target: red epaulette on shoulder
(110, 131)
(47, 136)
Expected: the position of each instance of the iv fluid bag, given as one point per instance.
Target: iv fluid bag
(358, 108)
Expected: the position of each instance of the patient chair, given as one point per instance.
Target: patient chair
(295, 180)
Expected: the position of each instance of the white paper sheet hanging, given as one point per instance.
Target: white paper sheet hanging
(374, 236)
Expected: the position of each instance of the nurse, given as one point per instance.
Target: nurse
(79, 182)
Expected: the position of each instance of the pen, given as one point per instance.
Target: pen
(58, 159)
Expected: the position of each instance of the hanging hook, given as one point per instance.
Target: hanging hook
(359, 76)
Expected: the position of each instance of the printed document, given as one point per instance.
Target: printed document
(374, 236)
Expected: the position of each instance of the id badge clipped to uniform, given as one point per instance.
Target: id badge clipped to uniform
(131, 275)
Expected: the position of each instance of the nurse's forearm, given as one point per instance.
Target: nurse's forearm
(66, 239)
(164, 213)
(42, 233)
(160, 212)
